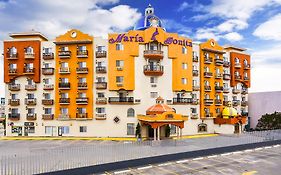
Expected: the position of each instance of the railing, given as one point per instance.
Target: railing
(235, 102)
(208, 74)
(226, 76)
(182, 100)
(64, 117)
(14, 102)
(82, 86)
(208, 101)
(225, 90)
(31, 116)
(237, 65)
(31, 87)
(64, 100)
(12, 56)
(48, 56)
(244, 103)
(64, 70)
(29, 55)
(218, 61)
(246, 78)
(218, 102)
(121, 100)
(226, 63)
(207, 88)
(82, 100)
(12, 71)
(82, 70)
(14, 116)
(100, 116)
(153, 70)
(219, 88)
(27, 70)
(237, 77)
(156, 54)
(244, 91)
(195, 58)
(47, 116)
(235, 91)
(219, 75)
(195, 88)
(47, 101)
(48, 87)
(48, 71)
(30, 101)
(101, 100)
(208, 115)
(64, 85)
(226, 103)
(101, 85)
(247, 66)
(100, 54)
(14, 87)
(64, 54)
(82, 53)
(81, 115)
(208, 60)
(101, 69)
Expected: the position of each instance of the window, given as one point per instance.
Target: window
(48, 130)
(64, 65)
(13, 66)
(206, 69)
(194, 82)
(82, 80)
(130, 129)
(14, 96)
(47, 50)
(30, 82)
(153, 46)
(29, 127)
(193, 110)
(218, 110)
(153, 79)
(30, 96)
(82, 95)
(119, 63)
(101, 48)
(184, 81)
(47, 96)
(30, 110)
(64, 80)
(47, 65)
(83, 128)
(119, 79)
(217, 96)
(15, 111)
(47, 110)
(207, 96)
(173, 129)
(206, 55)
(64, 110)
(153, 94)
(65, 129)
(16, 129)
(184, 50)
(131, 112)
(13, 51)
(81, 110)
(184, 65)
(64, 48)
(82, 64)
(100, 110)
(194, 54)
(119, 46)
(202, 127)
(237, 60)
(29, 50)
(225, 98)
(100, 94)
(82, 48)
(47, 81)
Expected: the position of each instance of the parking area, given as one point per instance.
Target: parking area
(262, 161)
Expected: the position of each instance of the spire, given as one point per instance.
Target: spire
(149, 10)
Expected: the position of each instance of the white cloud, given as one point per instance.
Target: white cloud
(270, 30)
(267, 55)
(232, 24)
(183, 6)
(233, 36)
(204, 33)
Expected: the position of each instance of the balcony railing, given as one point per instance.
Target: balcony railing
(153, 70)
(235, 91)
(226, 103)
(14, 87)
(219, 75)
(100, 69)
(218, 102)
(195, 88)
(47, 116)
(237, 65)
(82, 53)
(82, 100)
(208, 101)
(13, 71)
(64, 101)
(237, 77)
(121, 100)
(14, 116)
(48, 87)
(29, 56)
(195, 101)
(208, 74)
(218, 61)
(48, 56)
(31, 116)
(47, 101)
(195, 73)
(101, 100)
(182, 100)
(100, 54)
(14, 102)
(153, 54)
(208, 115)
(235, 102)
(100, 116)
(247, 66)
(244, 91)
(195, 58)
(12, 56)
(64, 70)
(101, 85)
(207, 88)
(226, 76)
(29, 70)
(226, 63)
(64, 117)
(194, 116)
(31, 87)
(225, 90)
(81, 70)
(82, 86)
(64, 54)
(246, 78)
(48, 71)
(81, 116)
(208, 60)
(30, 101)
(244, 103)
(219, 88)
(64, 85)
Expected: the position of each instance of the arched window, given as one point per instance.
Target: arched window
(245, 62)
(207, 96)
(217, 96)
(131, 112)
(246, 75)
(236, 73)
(202, 127)
(29, 50)
(237, 60)
(13, 50)
(207, 83)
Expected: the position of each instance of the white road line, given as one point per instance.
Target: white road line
(124, 171)
(145, 167)
(267, 147)
(212, 156)
(226, 154)
(183, 161)
(237, 152)
(165, 164)
(275, 146)
(199, 158)
(257, 149)
(248, 150)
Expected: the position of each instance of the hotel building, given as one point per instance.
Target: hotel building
(80, 85)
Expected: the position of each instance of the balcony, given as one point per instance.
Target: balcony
(153, 70)
(225, 90)
(244, 103)
(31, 116)
(64, 117)
(208, 101)
(101, 100)
(48, 71)
(226, 76)
(244, 91)
(47, 101)
(195, 73)
(231, 121)
(121, 100)
(29, 56)
(48, 87)
(82, 86)
(82, 53)
(235, 102)
(31, 87)
(153, 54)
(14, 102)
(13, 71)
(14, 87)
(207, 88)
(100, 69)
(226, 64)
(208, 74)
(195, 101)
(237, 65)
(82, 100)
(47, 116)
(28, 71)
(208, 115)
(246, 78)
(14, 116)
(195, 58)
(194, 116)
(64, 101)
(219, 75)
(81, 70)
(101, 54)
(182, 100)
(219, 88)
(48, 56)
(235, 91)
(195, 88)
(30, 101)
(208, 60)
(237, 77)
(64, 70)
(64, 54)
(100, 116)
(219, 61)
(247, 66)
(218, 102)
(64, 85)
(81, 116)
(226, 103)
(101, 85)
(12, 56)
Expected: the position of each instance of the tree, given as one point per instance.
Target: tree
(269, 121)
(138, 131)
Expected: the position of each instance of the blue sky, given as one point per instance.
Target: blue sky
(252, 24)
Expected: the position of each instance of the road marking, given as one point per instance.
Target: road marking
(275, 146)
(145, 167)
(237, 152)
(165, 170)
(183, 161)
(199, 158)
(165, 164)
(257, 149)
(212, 156)
(249, 173)
(192, 169)
(267, 147)
(226, 154)
(123, 171)
(248, 150)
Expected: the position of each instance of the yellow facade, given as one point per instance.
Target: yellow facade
(73, 39)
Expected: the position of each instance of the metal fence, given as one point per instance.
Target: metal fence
(62, 158)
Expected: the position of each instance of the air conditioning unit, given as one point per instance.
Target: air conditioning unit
(137, 100)
(154, 85)
(119, 68)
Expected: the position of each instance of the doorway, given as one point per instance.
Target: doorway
(236, 128)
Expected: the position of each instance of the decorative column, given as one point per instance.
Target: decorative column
(154, 134)
(177, 132)
(158, 133)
